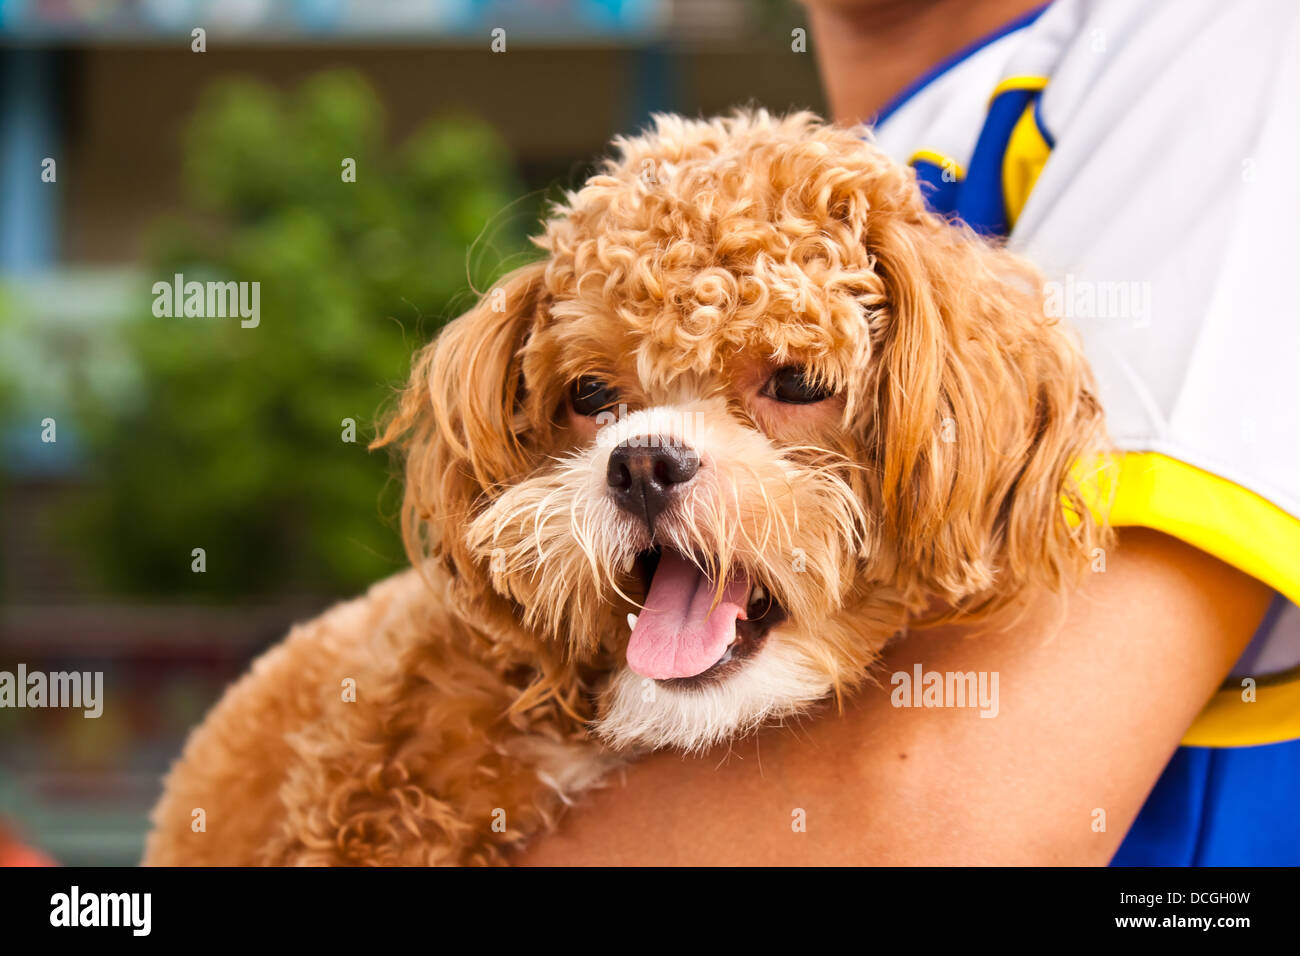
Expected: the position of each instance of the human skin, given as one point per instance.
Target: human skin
(1095, 688)
(868, 51)
(1095, 692)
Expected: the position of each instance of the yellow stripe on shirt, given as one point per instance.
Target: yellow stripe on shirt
(940, 160)
(1239, 528)
(1022, 163)
(1017, 83)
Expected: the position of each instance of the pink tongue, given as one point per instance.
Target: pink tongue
(677, 635)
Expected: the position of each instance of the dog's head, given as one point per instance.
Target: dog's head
(754, 411)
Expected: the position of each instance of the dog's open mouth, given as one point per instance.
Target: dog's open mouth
(682, 635)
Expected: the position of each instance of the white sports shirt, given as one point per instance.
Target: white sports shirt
(1142, 153)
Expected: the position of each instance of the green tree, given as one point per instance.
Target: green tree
(232, 440)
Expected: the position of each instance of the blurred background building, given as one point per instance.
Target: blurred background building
(126, 156)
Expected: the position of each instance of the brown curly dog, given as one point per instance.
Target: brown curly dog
(755, 413)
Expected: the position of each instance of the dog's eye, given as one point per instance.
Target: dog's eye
(590, 395)
(792, 386)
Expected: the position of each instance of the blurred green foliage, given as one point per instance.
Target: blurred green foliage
(232, 439)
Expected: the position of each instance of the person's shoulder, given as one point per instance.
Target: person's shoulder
(1218, 62)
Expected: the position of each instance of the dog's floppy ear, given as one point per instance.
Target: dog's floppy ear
(459, 419)
(982, 405)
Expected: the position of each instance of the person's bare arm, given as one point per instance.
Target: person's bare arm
(1094, 695)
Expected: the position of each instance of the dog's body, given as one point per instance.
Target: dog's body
(756, 413)
(375, 733)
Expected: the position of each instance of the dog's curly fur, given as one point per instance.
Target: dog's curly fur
(490, 686)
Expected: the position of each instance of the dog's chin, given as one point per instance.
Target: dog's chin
(738, 696)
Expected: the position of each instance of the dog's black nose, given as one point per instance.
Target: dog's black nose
(643, 478)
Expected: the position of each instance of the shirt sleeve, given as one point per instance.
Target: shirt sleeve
(1165, 218)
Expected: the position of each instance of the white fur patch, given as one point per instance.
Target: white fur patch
(642, 713)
